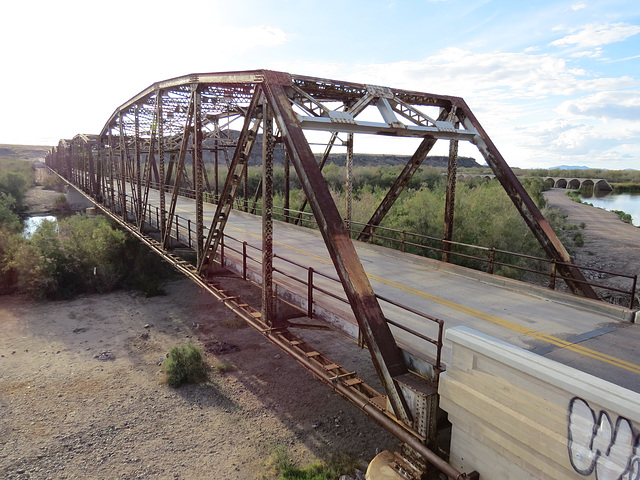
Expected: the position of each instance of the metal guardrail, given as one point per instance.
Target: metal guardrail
(418, 242)
(183, 232)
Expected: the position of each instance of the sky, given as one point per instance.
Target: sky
(552, 82)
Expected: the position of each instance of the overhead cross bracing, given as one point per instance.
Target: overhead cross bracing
(157, 141)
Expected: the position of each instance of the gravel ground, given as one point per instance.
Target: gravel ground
(82, 395)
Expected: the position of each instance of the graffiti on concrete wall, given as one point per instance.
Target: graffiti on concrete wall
(610, 450)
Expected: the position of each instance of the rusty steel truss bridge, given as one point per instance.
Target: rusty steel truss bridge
(151, 153)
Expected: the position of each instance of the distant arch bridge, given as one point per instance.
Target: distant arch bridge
(555, 182)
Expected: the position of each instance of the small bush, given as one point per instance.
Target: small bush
(625, 217)
(184, 365)
(53, 182)
(578, 239)
(61, 204)
(280, 463)
(222, 367)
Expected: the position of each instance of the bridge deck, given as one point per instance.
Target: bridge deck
(584, 334)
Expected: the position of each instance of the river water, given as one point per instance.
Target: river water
(31, 224)
(627, 202)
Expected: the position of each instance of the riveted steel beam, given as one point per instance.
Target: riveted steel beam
(450, 200)
(268, 143)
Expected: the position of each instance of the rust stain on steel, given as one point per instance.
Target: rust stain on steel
(385, 353)
(450, 200)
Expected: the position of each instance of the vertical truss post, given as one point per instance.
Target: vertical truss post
(267, 215)
(525, 205)
(348, 186)
(149, 165)
(180, 169)
(123, 168)
(66, 154)
(245, 187)
(136, 146)
(198, 170)
(216, 178)
(385, 354)
(93, 190)
(161, 186)
(287, 186)
(111, 171)
(100, 193)
(450, 200)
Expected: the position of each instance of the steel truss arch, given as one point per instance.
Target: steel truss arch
(159, 138)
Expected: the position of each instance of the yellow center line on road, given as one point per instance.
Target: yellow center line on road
(514, 327)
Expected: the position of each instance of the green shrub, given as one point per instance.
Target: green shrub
(184, 364)
(53, 182)
(16, 176)
(222, 367)
(8, 217)
(625, 217)
(578, 239)
(280, 462)
(61, 204)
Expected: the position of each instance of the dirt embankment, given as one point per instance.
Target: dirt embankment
(609, 243)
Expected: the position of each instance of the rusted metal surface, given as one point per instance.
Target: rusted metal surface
(348, 185)
(385, 353)
(450, 200)
(268, 143)
(187, 116)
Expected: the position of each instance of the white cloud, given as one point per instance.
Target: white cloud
(489, 76)
(578, 6)
(596, 53)
(620, 105)
(594, 35)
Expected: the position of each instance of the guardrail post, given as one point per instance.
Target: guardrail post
(633, 291)
(404, 240)
(310, 293)
(552, 276)
(492, 259)
(244, 260)
(221, 251)
(189, 228)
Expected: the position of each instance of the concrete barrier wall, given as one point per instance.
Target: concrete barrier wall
(517, 415)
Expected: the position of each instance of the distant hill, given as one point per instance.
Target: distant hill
(340, 159)
(23, 152)
(569, 167)
(377, 160)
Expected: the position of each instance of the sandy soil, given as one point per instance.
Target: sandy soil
(609, 243)
(40, 201)
(82, 393)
